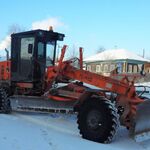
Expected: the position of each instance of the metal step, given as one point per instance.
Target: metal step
(41, 104)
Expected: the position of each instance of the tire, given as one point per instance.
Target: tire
(98, 120)
(5, 106)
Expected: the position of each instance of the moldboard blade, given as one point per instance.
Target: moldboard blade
(142, 122)
(32, 103)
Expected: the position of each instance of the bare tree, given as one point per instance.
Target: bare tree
(5, 43)
(15, 28)
(72, 52)
(100, 49)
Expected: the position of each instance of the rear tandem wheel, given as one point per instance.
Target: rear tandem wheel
(98, 120)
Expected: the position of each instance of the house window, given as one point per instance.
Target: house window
(88, 67)
(98, 68)
(93, 68)
(130, 68)
(119, 67)
(105, 67)
(139, 67)
(102, 67)
(112, 67)
(135, 68)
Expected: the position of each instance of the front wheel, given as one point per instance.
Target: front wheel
(5, 106)
(98, 120)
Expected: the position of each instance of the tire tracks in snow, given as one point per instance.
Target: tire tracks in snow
(42, 122)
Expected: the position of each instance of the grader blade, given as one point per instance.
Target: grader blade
(142, 122)
(39, 104)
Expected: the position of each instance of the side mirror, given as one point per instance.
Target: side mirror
(30, 47)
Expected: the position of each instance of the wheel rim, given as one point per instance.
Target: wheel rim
(94, 120)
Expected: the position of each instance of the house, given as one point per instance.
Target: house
(147, 67)
(121, 60)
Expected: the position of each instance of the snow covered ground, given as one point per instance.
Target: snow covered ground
(36, 131)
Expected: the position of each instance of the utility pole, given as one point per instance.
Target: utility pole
(143, 52)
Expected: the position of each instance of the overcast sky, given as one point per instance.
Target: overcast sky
(86, 23)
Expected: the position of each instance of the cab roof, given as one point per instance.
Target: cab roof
(40, 33)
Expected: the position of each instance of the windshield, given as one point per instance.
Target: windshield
(50, 51)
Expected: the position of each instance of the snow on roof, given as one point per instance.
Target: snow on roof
(115, 54)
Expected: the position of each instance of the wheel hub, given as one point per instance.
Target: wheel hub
(94, 119)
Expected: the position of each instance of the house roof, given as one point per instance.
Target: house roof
(115, 54)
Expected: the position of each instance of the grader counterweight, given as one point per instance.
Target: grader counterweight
(32, 80)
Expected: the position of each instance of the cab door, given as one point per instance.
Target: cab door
(40, 62)
(26, 59)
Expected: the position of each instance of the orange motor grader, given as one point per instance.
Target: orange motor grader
(32, 80)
